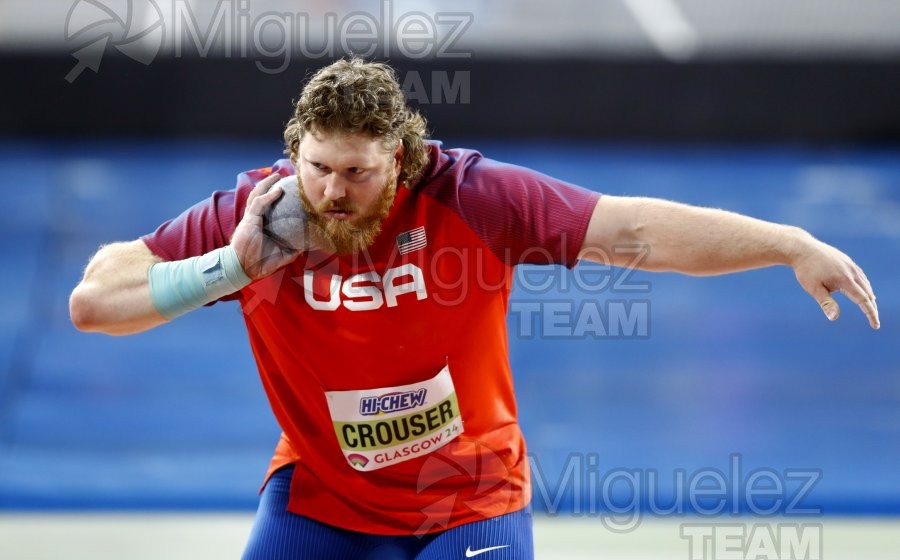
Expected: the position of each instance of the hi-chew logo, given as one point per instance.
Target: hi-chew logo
(392, 402)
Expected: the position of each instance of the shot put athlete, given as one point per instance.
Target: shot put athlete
(374, 267)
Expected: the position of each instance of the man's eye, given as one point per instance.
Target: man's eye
(356, 170)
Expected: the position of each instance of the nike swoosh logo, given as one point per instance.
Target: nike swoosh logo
(470, 553)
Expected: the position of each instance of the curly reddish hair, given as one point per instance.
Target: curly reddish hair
(359, 97)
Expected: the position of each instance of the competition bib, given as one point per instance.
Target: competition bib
(380, 427)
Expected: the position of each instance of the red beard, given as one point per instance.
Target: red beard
(343, 237)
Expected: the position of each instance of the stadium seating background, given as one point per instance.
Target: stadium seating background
(746, 364)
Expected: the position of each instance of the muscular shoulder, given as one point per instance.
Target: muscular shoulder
(468, 182)
(510, 206)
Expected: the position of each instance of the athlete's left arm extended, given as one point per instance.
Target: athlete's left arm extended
(705, 241)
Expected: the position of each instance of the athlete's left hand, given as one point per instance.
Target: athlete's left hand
(822, 269)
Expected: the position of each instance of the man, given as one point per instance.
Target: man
(380, 339)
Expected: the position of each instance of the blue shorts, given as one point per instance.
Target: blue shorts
(278, 534)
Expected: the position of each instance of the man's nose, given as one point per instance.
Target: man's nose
(334, 188)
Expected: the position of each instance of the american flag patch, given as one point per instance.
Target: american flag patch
(412, 240)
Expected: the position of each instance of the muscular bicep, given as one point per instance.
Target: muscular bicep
(121, 259)
(114, 295)
(672, 236)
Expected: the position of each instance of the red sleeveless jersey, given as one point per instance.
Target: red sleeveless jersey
(388, 370)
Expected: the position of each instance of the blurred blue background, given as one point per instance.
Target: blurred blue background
(786, 112)
(747, 364)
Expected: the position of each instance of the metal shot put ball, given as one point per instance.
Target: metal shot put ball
(285, 220)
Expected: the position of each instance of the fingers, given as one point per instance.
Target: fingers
(828, 270)
(862, 296)
(829, 306)
(859, 292)
(863, 281)
(871, 310)
(262, 195)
